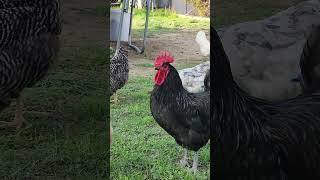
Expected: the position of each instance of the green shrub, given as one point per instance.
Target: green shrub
(203, 7)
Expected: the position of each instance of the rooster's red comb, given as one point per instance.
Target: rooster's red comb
(163, 57)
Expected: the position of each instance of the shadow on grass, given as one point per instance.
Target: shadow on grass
(67, 112)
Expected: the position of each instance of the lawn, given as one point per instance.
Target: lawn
(163, 20)
(67, 136)
(141, 149)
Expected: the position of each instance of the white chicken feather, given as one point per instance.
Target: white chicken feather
(203, 42)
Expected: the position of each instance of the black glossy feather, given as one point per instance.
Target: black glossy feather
(310, 62)
(207, 81)
(183, 115)
(256, 139)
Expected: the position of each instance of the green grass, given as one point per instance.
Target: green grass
(229, 12)
(148, 65)
(141, 149)
(165, 21)
(67, 112)
(188, 63)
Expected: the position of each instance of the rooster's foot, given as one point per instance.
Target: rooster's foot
(184, 160)
(193, 169)
(184, 163)
(18, 120)
(17, 123)
(195, 162)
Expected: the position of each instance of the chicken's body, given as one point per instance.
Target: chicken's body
(119, 74)
(183, 115)
(29, 43)
(207, 81)
(310, 62)
(204, 44)
(257, 139)
(119, 71)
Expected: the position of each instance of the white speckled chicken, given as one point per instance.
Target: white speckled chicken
(29, 43)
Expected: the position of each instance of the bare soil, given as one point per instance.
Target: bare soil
(81, 25)
(182, 46)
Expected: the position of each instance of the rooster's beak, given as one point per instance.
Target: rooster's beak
(156, 68)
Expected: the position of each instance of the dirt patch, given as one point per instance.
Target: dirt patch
(181, 44)
(82, 25)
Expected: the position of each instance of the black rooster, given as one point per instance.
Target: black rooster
(255, 139)
(29, 42)
(184, 115)
(119, 71)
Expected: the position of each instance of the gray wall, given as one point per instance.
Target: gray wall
(162, 3)
(158, 3)
(180, 6)
(140, 3)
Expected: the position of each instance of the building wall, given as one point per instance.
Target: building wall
(180, 6)
(157, 3)
(140, 3)
(162, 3)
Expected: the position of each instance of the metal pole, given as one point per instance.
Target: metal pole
(146, 25)
(140, 51)
(120, 26)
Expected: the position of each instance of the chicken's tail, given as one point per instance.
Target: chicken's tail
(310, 62)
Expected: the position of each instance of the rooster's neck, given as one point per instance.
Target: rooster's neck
(172, 82)
(222, 74)
(236, 115)
(171, 89)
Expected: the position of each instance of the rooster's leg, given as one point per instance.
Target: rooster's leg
(110, 133)
(18, 120)
(116, 97)
(195, 162)
(184, 160)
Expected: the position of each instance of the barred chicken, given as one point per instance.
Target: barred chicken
(183, 115)
(119, 71)
(29, 43)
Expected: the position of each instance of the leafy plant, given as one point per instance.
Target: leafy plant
(203, 7)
